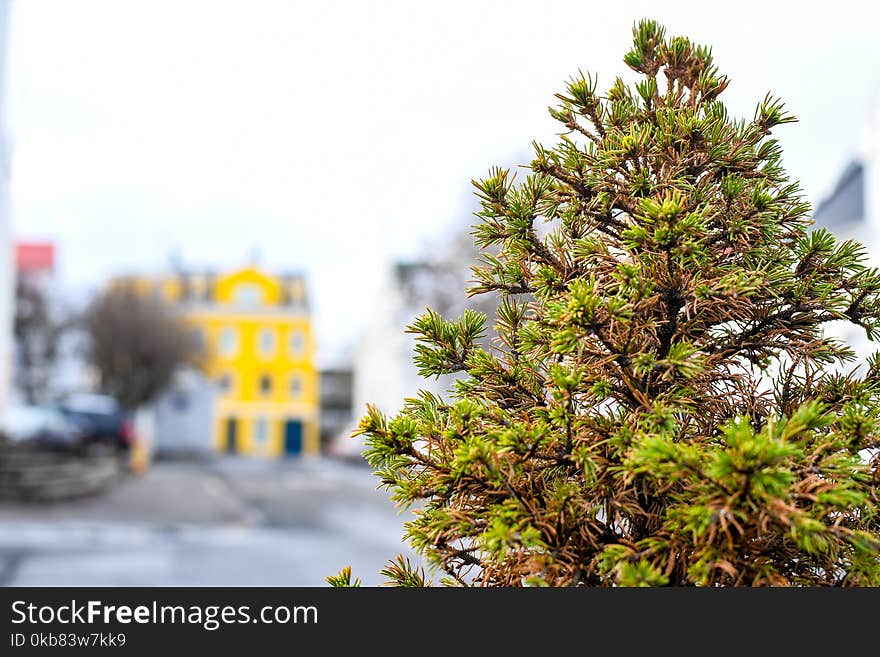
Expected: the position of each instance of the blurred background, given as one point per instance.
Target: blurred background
(216, 218)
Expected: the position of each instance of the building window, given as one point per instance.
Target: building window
(228, 341)
(225, 383)
(248, 294)
(296, 386)
(267, 342)
(265, 385)
(297, 342)
(261, 431)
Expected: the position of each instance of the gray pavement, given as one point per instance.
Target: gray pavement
(228, 522)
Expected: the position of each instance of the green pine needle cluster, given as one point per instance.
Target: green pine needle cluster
(661, 404)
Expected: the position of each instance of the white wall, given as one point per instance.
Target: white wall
(384, 373)
(870, 155)
(868, 231)
(6, 254)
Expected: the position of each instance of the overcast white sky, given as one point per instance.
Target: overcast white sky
(330, 137)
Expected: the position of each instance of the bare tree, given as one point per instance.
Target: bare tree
(438, 279)
(37, 335)
(136, 343)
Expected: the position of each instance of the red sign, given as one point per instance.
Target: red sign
(34, 256)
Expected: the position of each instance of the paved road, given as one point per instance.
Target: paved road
(230, 522)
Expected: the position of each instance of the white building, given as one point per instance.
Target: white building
(384, 373)
(6, 270)
(852, 211)
(852, 208)
(174, 425)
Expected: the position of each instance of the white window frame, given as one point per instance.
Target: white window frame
(262, 422)
(296, 386)
(297, 342)
(248, 295)
(267, 351)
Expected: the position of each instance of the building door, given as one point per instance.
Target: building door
(231, 437)
(293, 435)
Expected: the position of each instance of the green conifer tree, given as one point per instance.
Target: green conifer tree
(661, 405)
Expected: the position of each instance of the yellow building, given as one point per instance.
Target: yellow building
(257, 334)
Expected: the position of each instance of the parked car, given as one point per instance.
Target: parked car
(41, 426)
(102, 420)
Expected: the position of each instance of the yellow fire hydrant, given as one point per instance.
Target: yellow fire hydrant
(139, 456)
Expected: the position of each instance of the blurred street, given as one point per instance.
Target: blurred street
(227, 522)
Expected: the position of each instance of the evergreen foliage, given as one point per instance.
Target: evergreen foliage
(661, 404)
